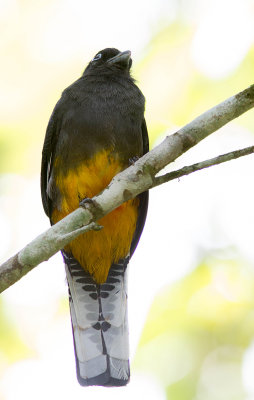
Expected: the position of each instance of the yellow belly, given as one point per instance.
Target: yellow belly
(97, 250)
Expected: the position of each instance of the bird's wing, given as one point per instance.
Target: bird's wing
(48, 154)
(143, 198)
(145, 137)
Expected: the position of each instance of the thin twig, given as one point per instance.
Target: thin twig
(201, 165)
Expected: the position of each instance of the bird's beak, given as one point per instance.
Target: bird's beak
(121, 59)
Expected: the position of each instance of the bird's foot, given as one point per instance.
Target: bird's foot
(132, 160)
(83, 203)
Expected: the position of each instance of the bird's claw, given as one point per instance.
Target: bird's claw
(83, 203)
(132, 160)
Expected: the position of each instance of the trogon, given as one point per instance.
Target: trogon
(96, 130)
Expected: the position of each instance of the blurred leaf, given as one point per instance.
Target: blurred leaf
(210, 309)
(176, 92)
(12, 347)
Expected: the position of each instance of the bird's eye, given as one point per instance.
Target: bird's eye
(97, 57)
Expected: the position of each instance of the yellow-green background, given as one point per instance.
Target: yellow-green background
(192, 277)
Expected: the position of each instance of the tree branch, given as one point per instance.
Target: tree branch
(201, 165)
(124, 186)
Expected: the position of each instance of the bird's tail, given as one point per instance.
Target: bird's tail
(99, 324)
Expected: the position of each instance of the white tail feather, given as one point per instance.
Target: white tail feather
(100, 324)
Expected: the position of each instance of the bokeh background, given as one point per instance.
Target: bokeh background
(191, 286)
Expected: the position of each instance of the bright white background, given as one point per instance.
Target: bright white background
(216, 205)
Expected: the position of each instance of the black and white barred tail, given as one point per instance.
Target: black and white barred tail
(99, 324)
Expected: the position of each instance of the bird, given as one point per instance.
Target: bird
(96, 130)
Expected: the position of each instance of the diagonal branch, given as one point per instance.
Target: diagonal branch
(124, 186)
(232, 155)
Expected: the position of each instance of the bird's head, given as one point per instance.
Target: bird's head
(110, 58)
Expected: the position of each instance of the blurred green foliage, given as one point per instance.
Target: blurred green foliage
(199, 327)
(14, 149)
(12, 348)
(175, 89)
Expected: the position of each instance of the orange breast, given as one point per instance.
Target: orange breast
(96, 250)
